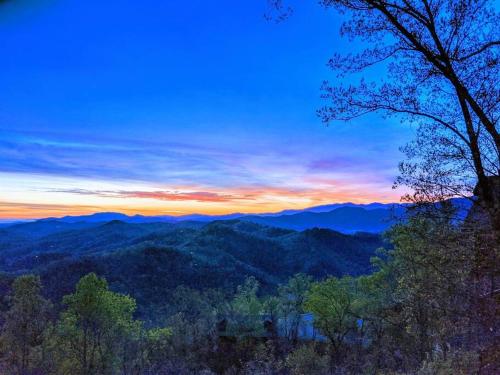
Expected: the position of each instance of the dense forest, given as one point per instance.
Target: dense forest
(149, 260)
(150, 309)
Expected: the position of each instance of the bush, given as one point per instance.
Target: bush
(305, 360)
(458, 363)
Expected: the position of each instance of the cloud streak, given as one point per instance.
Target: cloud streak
(173, 163)
(20, 210)
(146, 176)
(196, 196)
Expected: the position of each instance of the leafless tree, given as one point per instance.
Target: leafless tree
(442, 62)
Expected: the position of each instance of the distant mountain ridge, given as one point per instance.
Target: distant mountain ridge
(342, 217)
(347, 219)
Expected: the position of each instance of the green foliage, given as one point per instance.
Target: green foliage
(26, 322)
(291, 299)
(192, 318)
(331, 302)
(156, 342)
(158, 337)
(94, 328)
(381, 328)
(245, 310)
(432, 265)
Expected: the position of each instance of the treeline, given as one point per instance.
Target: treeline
(424, 311)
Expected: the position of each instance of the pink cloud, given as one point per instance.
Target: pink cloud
(198, 196)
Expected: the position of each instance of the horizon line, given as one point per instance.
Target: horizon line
(8, 220)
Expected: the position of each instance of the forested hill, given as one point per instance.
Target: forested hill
(147, 260)
(343, 219)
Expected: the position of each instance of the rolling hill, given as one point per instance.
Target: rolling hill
(342, 217)
(148, 260)
(347, 219)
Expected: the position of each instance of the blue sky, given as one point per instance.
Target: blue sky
(178, 107)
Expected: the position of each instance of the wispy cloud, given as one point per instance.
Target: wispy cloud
(116, 159)
(97, 174)
(196, 196)
(182, 164)
(17, 210)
